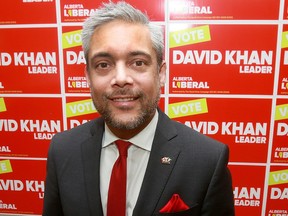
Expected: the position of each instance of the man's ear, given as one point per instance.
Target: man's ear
(162, 73)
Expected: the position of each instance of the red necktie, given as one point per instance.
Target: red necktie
(116, 204)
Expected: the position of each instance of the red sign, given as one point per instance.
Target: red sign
(277, 200)
(74, 61)
(248, 188)
(29, 61)
(78, 12)
(27, 11)
(231, 10)
(285, 14)
(28, 124)
(79, 110)
(222, 59)
(22, 186)
(283, 75)
(280, 138)
(243, 124)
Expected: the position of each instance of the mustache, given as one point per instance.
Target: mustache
(124, 92)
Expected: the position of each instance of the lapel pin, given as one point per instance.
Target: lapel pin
(166, 160)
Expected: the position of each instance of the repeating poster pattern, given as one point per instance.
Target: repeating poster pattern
(235, 122)
(22, 185)
(226, 10)
(27, 12)
(29, 133)
(277, 191)
(78, 12)
(74, 61)
(29, 61)
(226, 78)
(285, 13)
(248, 189)
(283, 74)
(200, 63)
(79, 111)
(280, 147)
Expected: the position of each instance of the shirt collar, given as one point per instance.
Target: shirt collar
(143, 139)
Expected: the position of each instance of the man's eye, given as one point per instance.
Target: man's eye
(102, 65)
(139, 63)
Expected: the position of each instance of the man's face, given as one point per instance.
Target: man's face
(123, 75)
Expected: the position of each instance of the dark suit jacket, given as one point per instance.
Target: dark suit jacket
(198, 172)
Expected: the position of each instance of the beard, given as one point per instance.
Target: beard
(145, 113)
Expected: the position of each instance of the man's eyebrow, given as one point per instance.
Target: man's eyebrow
(130, 54)
(140, 53)
(101, 54)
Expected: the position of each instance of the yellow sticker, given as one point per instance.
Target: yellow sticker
(278, 177)
(71, 39)
(5, 166)
(2, 105)
(281, 112)
(189, 36)
(78, 108)
(284, 42)
(187, 108)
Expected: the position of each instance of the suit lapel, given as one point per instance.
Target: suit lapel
(157, 172)
(91, 150)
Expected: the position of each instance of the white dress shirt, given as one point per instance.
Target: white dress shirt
(138, 156)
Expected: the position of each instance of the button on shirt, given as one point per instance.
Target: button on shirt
(138, 156)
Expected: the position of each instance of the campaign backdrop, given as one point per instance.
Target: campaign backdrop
(227, 77)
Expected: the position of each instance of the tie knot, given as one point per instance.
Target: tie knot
(122, 147)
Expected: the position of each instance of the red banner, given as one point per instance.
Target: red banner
(27, 11)
(78, 12)
(210, 9)
(277, 191)
(202, 63)
(79, 110)
(74, 61)
(248, 189)
(283, 75)
(285, 14)
(28, 134)
(235, 122)
(30, 55)
(227, 77)
(22, 184)
(280, 147)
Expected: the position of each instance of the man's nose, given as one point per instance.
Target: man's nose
(122, 76)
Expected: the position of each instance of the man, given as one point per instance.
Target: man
(171, 169)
